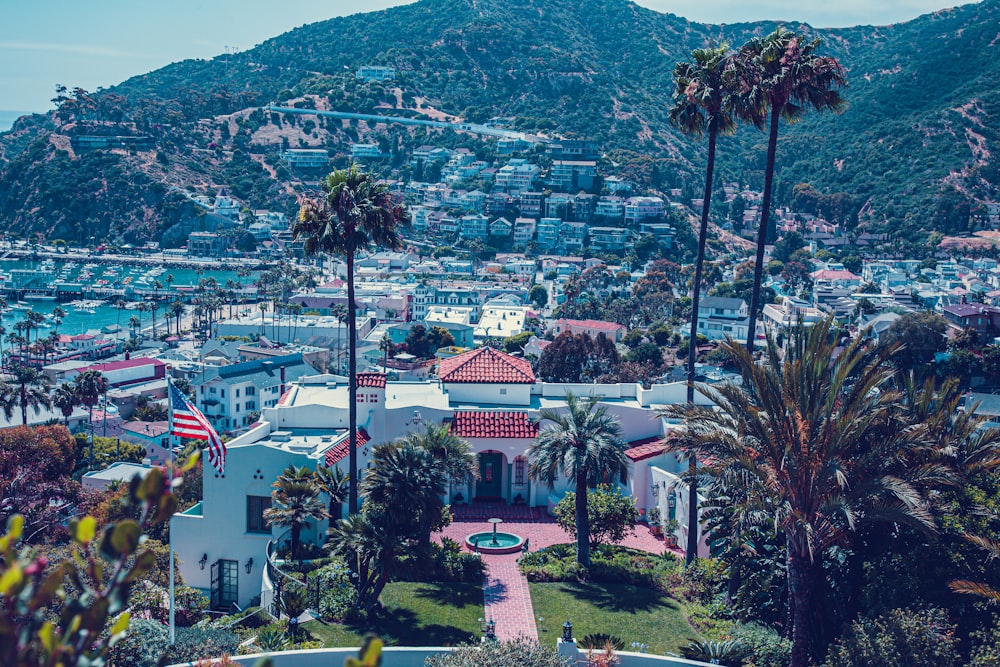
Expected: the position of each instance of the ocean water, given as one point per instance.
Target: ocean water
(80, 321)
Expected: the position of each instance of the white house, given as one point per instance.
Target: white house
(719, 317)
(490, 398)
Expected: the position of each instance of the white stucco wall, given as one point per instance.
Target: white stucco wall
(489, 394)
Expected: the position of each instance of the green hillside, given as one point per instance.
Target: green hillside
(924, 100)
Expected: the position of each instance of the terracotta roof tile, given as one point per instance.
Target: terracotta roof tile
(371, 380)
(486, 366)
(468, 424)
(646, 448)
(339, 451)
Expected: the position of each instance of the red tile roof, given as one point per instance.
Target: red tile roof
(468, 424)
(339, 451)
(646, 448)
(371, 380)
(130, 363)
(486, 366)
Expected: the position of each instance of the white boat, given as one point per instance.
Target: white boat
(20, 305)
(39, 297)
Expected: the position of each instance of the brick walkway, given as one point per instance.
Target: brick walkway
(506, 598)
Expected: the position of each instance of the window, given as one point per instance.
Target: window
(223, 393)
(255, 514)
(520, 464)
(237, 393)
(503, 391)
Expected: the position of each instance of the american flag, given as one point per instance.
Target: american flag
(188, 422)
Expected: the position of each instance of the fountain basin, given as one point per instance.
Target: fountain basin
(506, 543)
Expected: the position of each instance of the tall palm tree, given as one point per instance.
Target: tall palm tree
(783, 75)
(296, 502)
(355, 214)
(90, 386)
(585, 444)
(65, 399)
(810, 445)
(32, 389)
(176, 310)
(705, 100)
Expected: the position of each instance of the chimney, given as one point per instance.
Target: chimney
(282, 391)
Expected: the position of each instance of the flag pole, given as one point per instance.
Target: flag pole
(170, 521)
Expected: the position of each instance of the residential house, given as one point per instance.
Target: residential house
(524, 231)
(610, 239)
(232, 396)
(501, 228)
(643, 208)
(487, 397)
(719, 317)
(474, 226)
(614, 331)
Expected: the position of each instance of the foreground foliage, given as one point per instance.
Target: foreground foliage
(521, 652)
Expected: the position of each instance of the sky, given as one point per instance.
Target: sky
(98, 43)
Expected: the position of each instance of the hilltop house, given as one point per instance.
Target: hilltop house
(487, 397)
(719, 317)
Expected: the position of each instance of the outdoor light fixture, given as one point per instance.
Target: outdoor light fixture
(655, 489)
(249, 564)
(489, 628)
(415, 419)
(567, 635)
(203, 562)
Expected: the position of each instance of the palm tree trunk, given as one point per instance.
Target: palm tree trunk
(295, 529)
(582, 521)
(352, 386)
(765, 221)
(802, 579)
(24, 406)
(691, 551)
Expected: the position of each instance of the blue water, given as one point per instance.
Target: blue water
(79, 321)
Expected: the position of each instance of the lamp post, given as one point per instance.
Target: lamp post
(567, 635)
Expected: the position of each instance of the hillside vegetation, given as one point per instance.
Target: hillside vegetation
(914, 151)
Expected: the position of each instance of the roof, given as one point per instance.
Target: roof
(129, 363)
(724, 302)
(339, 451)
(371, 380)
(968, 309)
(149, 429)
(592, 324)
(646, 448)
(469, 424)
(486, 366)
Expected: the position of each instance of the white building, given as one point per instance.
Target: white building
(375, 73)
(641, 208)
(719, 317)
(517, 176)
(490, 398)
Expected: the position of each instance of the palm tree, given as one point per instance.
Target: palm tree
(134, 323)
(585, 444)
(32, 390)
(783, 75)
(90, 386)
(296, 501)
(451, 461)
(65, 399)
(333, 482)
(811, 445)
(119, 306)
(704, 101)
(406, 484)
(355, 214)
(176, 310)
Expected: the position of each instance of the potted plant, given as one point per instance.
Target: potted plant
(670, 532)
(458, 499)
(653, 517)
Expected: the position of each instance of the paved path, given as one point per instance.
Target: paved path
(507, 600)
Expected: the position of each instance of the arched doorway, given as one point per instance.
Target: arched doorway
(491, 483)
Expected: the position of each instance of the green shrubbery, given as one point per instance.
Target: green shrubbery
(448, 562)
(912, 637)
(338, 595)
(520, 652)
(608, 564)
(201, 642)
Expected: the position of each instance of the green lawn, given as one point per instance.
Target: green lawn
(416, 614)
(631, 613)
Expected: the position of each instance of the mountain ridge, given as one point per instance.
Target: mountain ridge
(921, 123)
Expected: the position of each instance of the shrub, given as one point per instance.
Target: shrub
(145, 642)
(728, 652)
(338, 595)
(520, 652)
(201, 642)
(601, 640)
(767, 647)
(448, 562)
(916, 638)
(608, 564)
(611, 515)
